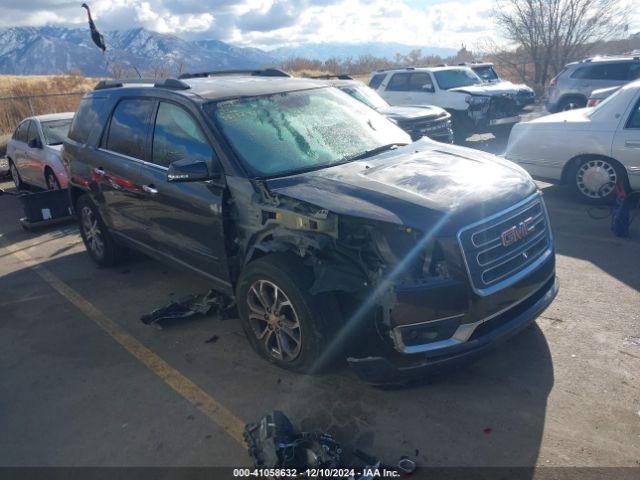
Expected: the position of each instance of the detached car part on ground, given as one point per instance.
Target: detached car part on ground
(335, 235)
(592, 150)
(422, 121)
(475, 106)
(34, 151)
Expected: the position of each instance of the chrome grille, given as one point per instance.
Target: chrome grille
(503, 248)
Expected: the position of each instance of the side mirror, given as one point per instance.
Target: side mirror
(34, 143)
(428, 88)
(189, 170)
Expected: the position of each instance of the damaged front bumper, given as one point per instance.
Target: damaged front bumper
(478, 338)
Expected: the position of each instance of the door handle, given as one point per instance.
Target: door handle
(632, 144)
(99, 171)
(149, 189)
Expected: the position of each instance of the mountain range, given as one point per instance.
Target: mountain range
(51, 50)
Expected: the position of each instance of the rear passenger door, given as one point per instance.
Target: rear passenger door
(601, 75)
(185, 218)
(33, 166)
(116, 167)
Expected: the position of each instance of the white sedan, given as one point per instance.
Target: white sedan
(34, 151)
(590, 149)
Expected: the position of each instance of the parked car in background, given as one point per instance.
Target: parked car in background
(419, 121)
(317, 216)
(34, 149)
(524, 94)
(590, 149)
(600, 94)
(572, 87)
(475, 106)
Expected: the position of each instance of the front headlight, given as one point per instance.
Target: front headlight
(476, 100)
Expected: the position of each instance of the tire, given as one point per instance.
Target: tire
(571, 103)
(15, 176)
(502, 132)
(594, 179)
(51, 180)
(98, 241)
(295, 335)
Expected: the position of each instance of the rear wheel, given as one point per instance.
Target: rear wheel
(571, 103)
(594, 179)
(15, 175)
(99, 242)
(51, 180)
(283, 322)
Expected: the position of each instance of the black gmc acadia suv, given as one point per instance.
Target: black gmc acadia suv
(333, 233)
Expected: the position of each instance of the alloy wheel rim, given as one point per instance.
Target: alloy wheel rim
(274, 321)
(596, 178)
(92, 232)
(570, 106)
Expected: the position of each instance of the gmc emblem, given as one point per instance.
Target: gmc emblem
(517, 232)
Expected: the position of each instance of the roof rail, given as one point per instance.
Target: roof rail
(342, 76)
(170, 83)
(267, 72)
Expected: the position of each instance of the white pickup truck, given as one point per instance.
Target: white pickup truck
(476, 106)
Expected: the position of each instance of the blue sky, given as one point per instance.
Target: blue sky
(272, 23)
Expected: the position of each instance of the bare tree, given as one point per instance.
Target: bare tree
(554, 32)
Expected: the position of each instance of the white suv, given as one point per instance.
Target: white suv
(476, 106)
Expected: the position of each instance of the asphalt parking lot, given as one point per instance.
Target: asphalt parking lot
(84, 382)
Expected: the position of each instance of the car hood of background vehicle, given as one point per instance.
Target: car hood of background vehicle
(410, 114)
(499, 88)
(413, 185)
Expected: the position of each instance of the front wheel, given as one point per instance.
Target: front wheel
(595, 179)
(98, 241)
(283, 322)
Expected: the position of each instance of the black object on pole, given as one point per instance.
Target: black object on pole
(96, 36)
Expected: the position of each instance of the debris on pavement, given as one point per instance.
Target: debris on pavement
(189, 306)
(213, 339)
(273, 442)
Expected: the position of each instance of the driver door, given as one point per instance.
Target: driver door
(626, 143)
(185, 219)
(420, 89)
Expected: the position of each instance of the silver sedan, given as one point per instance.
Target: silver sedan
(34, 151)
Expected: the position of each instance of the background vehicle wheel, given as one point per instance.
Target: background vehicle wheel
(594, 179)
(284, 323)
(15, 176)
(571, 103)
(100, 245)
(51, 180)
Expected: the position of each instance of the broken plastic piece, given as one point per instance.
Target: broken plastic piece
(186, 307)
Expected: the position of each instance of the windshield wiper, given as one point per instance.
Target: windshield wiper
(374, 151)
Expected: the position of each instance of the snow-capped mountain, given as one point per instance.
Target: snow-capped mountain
(342, 51)
(48, 50)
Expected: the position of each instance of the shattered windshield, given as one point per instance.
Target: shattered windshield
(367, 96)
(290, 132)
(56, 131)
(462, 77)
(488, 74)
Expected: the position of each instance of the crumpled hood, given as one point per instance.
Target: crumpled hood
(413, 185)
(488, 89)
(405, 114)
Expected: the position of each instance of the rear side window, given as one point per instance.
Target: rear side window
(177, 135)
(376, 80)
(21, 132)
(603, 71)
(128, 127)
(89, 119)
(399, 82)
